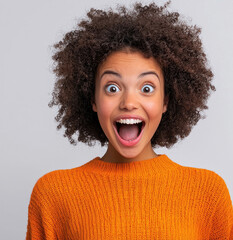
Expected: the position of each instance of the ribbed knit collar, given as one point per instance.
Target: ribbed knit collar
(160, 164)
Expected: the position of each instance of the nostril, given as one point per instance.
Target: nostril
(129, 103)
(128, 107)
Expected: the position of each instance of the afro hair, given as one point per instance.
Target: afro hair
(151, 30)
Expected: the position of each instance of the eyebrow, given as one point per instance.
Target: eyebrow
(118, 75)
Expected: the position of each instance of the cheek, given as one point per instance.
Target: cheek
(154, 109)
(104, 110)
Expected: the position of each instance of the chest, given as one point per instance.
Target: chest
(135, 210)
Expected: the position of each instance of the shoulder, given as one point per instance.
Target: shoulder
(202, 174)
(57, 181)
(207, 181)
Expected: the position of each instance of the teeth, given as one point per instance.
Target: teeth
(129, 121)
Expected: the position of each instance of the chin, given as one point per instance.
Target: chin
(129, 154)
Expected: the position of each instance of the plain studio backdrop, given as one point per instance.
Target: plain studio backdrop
(30, 145)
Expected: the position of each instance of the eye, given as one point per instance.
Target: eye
(112, 88)
(147, 88)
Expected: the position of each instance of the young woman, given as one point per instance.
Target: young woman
(133, 80)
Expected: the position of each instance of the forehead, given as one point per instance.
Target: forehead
(129, 63)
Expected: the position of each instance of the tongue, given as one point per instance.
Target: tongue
(128, 131)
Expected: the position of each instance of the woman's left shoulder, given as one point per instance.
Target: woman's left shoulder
(209, 178)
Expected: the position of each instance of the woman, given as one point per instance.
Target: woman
(132, 80)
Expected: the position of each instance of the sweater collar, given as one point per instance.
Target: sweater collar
(160, 164)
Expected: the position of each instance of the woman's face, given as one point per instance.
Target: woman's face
(129, 101)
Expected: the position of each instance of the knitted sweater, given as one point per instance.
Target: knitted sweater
(149, 199)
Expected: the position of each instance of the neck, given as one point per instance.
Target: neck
(112, 155)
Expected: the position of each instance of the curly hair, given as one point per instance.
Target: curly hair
(151, 30)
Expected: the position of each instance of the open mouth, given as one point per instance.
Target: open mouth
(129, 132)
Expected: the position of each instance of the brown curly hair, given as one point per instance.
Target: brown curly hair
(151, 30)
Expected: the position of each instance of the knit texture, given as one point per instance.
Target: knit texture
(149, 199)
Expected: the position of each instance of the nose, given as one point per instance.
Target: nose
(129, 101)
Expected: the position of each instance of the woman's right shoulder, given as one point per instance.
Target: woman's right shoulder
(60, 179)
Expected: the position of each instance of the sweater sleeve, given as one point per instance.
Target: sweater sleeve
(41, 224)
(222, 219)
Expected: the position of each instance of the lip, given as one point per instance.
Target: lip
(125, 142)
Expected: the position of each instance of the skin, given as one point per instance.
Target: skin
(126, 93)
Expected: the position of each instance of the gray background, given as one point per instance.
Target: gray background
(30, 145)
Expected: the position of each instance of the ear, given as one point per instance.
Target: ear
(94, 108)
(166, 100)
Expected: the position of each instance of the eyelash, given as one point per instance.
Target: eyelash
(107, 88)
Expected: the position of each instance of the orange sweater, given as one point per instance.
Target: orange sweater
(150, 199)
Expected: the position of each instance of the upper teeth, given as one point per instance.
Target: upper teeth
(129, 121)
